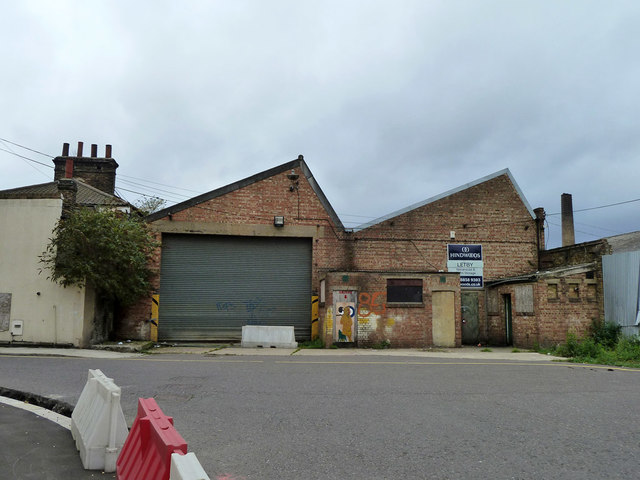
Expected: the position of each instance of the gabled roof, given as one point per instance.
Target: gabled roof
(397, 213)
(285, 167)
(86, 194)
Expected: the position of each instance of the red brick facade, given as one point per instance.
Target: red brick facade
(411, 244)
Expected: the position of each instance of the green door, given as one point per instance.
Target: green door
(508, 319)
(470, 330)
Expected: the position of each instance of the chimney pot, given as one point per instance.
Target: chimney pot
(65, 149)
(107, 151)
(80, 145)
(94, 150)
(68, 168)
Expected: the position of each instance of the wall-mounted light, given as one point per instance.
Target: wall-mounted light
(278, 221)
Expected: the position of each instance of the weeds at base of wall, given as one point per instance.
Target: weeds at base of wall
(486, 350)
(381, 345)
(317, 343)
(604, 346)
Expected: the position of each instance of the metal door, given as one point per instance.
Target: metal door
(345, 306)
(470, 330)
(211, 286)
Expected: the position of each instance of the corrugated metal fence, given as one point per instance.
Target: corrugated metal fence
(621, 272)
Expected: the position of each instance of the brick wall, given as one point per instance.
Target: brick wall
(378, 321)
(561, 305)
(253, 208)
(491, 214)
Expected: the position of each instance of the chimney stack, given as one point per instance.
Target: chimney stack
(99, 172)
(566, 209)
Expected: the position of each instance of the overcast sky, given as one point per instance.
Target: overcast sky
(390, 102)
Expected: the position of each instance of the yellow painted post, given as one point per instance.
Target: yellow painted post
(314, 317)
(155, 304)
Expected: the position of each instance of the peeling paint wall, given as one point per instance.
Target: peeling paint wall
(380, 323)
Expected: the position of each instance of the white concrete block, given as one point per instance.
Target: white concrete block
(186, 467)
(268, 336)
(97, 423)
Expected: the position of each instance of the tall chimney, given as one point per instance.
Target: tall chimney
(540, 217)
(80, 145)
(566, 209)
(94, 150)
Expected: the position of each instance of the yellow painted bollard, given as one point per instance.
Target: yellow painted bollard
(155, 304)
(314, 317)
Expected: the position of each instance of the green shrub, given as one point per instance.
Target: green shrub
(606, 334)
(628, 349)
(317, 343)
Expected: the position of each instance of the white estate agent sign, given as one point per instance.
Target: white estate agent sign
(466, 260)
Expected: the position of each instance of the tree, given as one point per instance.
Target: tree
(107, 250)
(149, 205)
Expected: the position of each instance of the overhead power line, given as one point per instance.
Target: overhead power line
(26, 148)
(599, 207)
(26, 158)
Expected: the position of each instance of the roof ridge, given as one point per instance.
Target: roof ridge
(448, 193)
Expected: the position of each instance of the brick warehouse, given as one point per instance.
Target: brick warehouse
(270, 250)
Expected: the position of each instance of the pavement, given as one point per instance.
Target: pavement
(37, 443)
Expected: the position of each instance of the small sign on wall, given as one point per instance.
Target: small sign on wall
(468, 262)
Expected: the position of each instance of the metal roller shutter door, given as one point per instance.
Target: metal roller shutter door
(211, 286)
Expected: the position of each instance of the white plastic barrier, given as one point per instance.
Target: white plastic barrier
(186, 467)
(268, 336)
(97, 423)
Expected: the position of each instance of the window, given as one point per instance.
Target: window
(552, 291)
(404, 290)
(524, 298)
(573, 291)
(592, 292)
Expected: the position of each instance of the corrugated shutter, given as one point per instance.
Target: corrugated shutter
(213, 285)
(621, 272)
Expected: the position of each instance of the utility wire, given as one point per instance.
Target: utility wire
(26, 158)
(26, 148)
(601, 206)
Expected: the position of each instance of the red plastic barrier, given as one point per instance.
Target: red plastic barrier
(146, 453)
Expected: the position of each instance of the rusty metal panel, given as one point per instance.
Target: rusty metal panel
(621, 277)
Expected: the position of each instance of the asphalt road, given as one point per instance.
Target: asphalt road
(373, 417)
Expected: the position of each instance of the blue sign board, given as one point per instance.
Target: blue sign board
(466, 260)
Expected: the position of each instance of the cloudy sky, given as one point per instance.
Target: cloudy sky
(390, 102)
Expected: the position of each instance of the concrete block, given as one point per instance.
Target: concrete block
(268, 336)
(98, 425)
(186, 467)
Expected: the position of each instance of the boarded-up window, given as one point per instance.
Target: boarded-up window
(524, 298)
(404, 290)
(592, 292)
(552, 291)
(5, 311)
